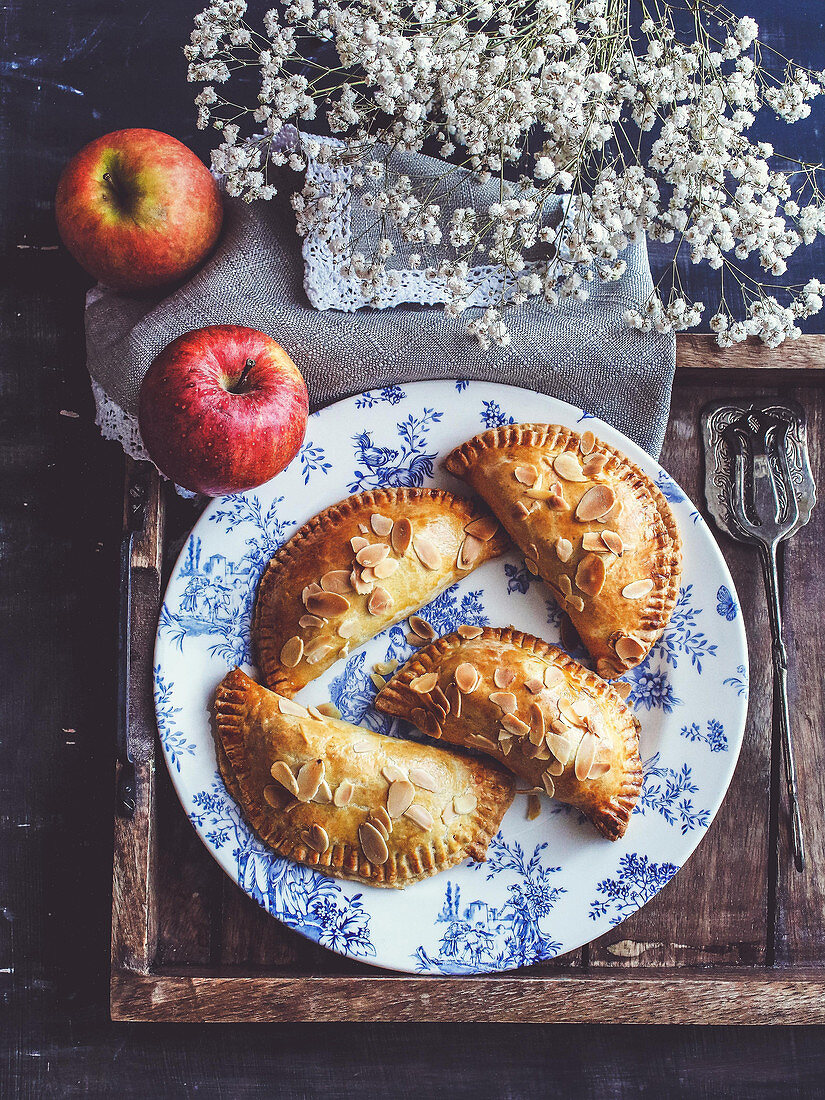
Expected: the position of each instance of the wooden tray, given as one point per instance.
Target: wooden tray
(737, 937)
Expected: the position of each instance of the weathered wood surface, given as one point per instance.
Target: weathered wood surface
(700, 352)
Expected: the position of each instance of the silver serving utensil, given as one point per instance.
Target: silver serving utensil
(760, 490)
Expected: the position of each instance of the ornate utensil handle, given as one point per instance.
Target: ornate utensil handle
(767, 554)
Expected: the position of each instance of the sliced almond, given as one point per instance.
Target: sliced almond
(343, 793)
(309, 779)
(636, 590)
(623, 688)
(371, 554)
(323, 794)
(282, 773)
(532, 566)
(347, 628)
(537, 728)
(513, 724)
(364, 745)
(329, 710)
(358, 543)
(559, 746)
(468, 632)
(424, 779)
(521, 509)
(380, 601)
(465, 803)
(503, 677)
(568, 466)
(595, 503)
(527, 475)
(373, 844)
(448, 815)
(564, 548)
(575, 603)
(556, 502)
(310, 622)
(466, 678)
(400, 797)
(571, 716)
(426, 552)
(582, 705)
(381, 820)
(382, 525)
(420, 815)
(613, 542)
(431, 726)
(361, 585)
(594, 465)
(314, 712)
(469, 552)
(453, 696)
(288, 706)
(317, 839)
(316, 653)
(327, 604)
(378, 680)
(628, 648)
(565, 585)
(421, 627)
(385, 568)
(419, 717)
(585, 755)
(310, 590)
(592, 542)
(505, 700)
(486, 744)
(549, 785)
(598, 768)
(482, 528)
(440, 700)
(555, 767)
(590, 575)
(275, 796)
(401, 537)
(336, 580)
(292, 651)
(392, 773)
(534, 685)
(553, 676)
(587, 443)
(425, 683)
(533, 807)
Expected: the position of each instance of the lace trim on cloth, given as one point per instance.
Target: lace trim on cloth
(116, 424)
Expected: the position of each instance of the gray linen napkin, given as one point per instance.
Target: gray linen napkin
(581, 352)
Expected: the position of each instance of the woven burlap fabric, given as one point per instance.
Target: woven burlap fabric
(579, 351)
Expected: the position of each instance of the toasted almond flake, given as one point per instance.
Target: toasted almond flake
(465, 803)
(537, 728)
(538, 494)
(564, 548)
(505, 700)
(363, 528)
(597, 769)
(585, 755)
(570, 715)
(549, 785)
(592, 542)
(309, 622)
(317, 838)
(379, 681)
(380, 601)
(440, 700)
(623, 688)
(347, 628)
(336, 580)
(392, 773)
(317, 652)
(556, 502)
(420, 815)
(309, 779)
(287, 706)
(329, 710)
(364, 745)
(414, 639)
(521, 508)
(503, 677)
(421, 627)
(419, 717)
(469, 632)
(327, 604)
(385, 568)
(469, 552)
(361, 586)
(513, 724)
(453, 696)
(383, 667)
(274, 796)
(282, 773)
(358, 543)
(587, 443)
(424, 683)
(590, 575)
(323, 794)
(559, 746)
(314, 712)
(628, 648)
(594, 465)
(424, 779)
(401, 536)
(533, 807)
(371, 554)
(595, 503)
(527, 475)
(482, 528)
(636, 590)
(311, 590)
(534, 685)
(380, 818)
(486, 744)
(565, 585)
(426, 552)
(343, 793)
(614, 512)
(582, 705)
(368, 576)
(466, 678)
(382, 525)
(553, 676)
(373, 844)
(400, 797)
(568, 466)
(448, 815)
(613, 542)
(291, 651)
(576, 603)
(555, 767)
(532, 566)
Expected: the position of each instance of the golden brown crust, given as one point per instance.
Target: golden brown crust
(323, 546)
(645, 524)
(252, 734)
(608, 800)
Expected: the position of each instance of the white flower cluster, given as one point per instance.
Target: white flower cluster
(550, 101)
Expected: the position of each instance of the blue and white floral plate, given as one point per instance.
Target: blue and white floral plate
(549, 885)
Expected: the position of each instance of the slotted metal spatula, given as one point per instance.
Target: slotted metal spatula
(760, 490)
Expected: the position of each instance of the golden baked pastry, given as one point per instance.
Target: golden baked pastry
(591, 524)
(357, 568)
(554, 723)
(347, 801)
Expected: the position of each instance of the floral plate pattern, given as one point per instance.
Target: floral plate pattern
(549, 885)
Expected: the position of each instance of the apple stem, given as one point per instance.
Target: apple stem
(112, 183)
(238, 386)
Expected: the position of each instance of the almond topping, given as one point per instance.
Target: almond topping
(309, 779)
(466, 678)
(337, 580)
(378, 680)
(555, 767)
(505, 700)
(424, 779)
(594, 465)
(317, 651)
(623, 688)
(424, 684)
(310, 590)
(347, 628)
(282, 773)
(592, 541)
(385, 568)
(421, 627)
(590, 575)
(527, 475)
(381, 820)
(564, 549)
(364, 745)
(469, 632)
(533, 807)
(532, 566)
(534, 685)
(449, 815)
(440, 699)
(453, 697)
(358, 582)
(588, 442)
(401, 537)
(521, 508)
(583, 705)
(420, 815)
(314, 712)
(565, 585)
(585, 755)
(613, 542)
(636, 590)
(538, 494)
(382, 525)
(549, 785)
(567, 466)
(323, 794)
(391, 773)
(598, 769)
(427, 553)
(503, 677)
(576, 603)
(513, 724)
(287, 706)
(559, 746)
(419, 717)
(358, 543)
(553, 676)
(482, 528)
(595, 503)
(292, 651)
(371, 554)
(380, 601)
(629, 649)
(537, 730)
(373, 844)
(569, 715)
(469, 552)
(317, 838)
(274, 797)
(329, 710)
(327, 604)
(465, 803)
(400, 797)
(343, 793)
(309, 622)
(556, 502)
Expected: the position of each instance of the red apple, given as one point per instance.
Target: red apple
(138, 210)
(223, 409)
